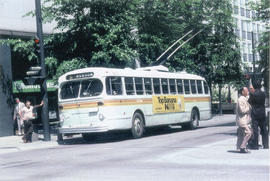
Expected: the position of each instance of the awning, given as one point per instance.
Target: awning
(19, 87)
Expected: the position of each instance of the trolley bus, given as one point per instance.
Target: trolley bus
(94, 100)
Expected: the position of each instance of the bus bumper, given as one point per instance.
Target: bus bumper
(83, 130)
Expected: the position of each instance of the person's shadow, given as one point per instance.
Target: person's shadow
(233, 151)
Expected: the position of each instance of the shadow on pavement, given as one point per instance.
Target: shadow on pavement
(126, 135)
(233, 151)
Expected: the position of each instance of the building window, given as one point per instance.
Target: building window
(253, 14)
(237, 32)
(235, 10)
(243, 25)
(249, 36)
(248, 13)
(244, 36)
(244, 57)
(258, 28)
(242, 12)
(250, 57)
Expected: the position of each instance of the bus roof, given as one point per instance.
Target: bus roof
(151, 72)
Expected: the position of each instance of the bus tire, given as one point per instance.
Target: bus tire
(60, 139)
(137, 125)
(89, 137)
(194, 121)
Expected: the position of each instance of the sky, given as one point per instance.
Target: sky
(12, 16)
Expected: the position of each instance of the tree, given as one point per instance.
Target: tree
(262, 9)
(97, 33)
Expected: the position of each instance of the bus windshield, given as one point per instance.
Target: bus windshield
(89, 88)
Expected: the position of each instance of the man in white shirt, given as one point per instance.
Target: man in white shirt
(16, 116)
(27, 116)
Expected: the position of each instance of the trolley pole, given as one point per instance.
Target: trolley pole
(43, 85)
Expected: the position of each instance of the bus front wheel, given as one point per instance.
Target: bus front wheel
(60, 139)
(137, 125)
(194, 121)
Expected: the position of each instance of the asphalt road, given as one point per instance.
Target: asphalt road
(207, 153)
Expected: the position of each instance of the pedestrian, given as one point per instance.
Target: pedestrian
(258, 116)
(27, 116)
(16, 116)
(243, 120)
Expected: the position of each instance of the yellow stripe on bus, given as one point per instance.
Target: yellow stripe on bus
(126, 102)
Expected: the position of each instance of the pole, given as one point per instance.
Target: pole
(43, 86)
(253, 54)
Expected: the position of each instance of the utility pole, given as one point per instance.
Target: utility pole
(43, 85)
(253, 54)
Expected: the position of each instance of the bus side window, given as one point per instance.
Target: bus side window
(193, 87)
(148, 86)
(172, 86)
(156, 84)
(199, 86)
(205, 86)
(180, 86)
(139, 86)
(165, 88)
(186, 85)
(129, 84)
(114, 86)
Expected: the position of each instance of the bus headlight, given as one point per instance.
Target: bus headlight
(101, 117)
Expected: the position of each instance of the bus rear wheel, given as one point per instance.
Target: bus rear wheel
(194, 121)
(137, 125)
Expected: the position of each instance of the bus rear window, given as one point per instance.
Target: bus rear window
(70, 90)
(114, 86)
(205, 87)
(92, 87)
(199, 86)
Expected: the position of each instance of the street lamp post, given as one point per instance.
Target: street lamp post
(43, 85)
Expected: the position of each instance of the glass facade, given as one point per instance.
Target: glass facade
(244, 28)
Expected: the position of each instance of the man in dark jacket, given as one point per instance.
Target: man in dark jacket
(257, 101)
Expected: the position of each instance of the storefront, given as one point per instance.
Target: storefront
(32, 93)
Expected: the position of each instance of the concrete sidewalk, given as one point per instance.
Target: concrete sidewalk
(10, 144)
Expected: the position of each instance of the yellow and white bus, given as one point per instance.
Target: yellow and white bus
(93, 100)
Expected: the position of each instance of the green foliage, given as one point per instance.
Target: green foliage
(22, 55)
(215, 96)
(113, 33)
(69, 65)
(262, 9)
(97, 32)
